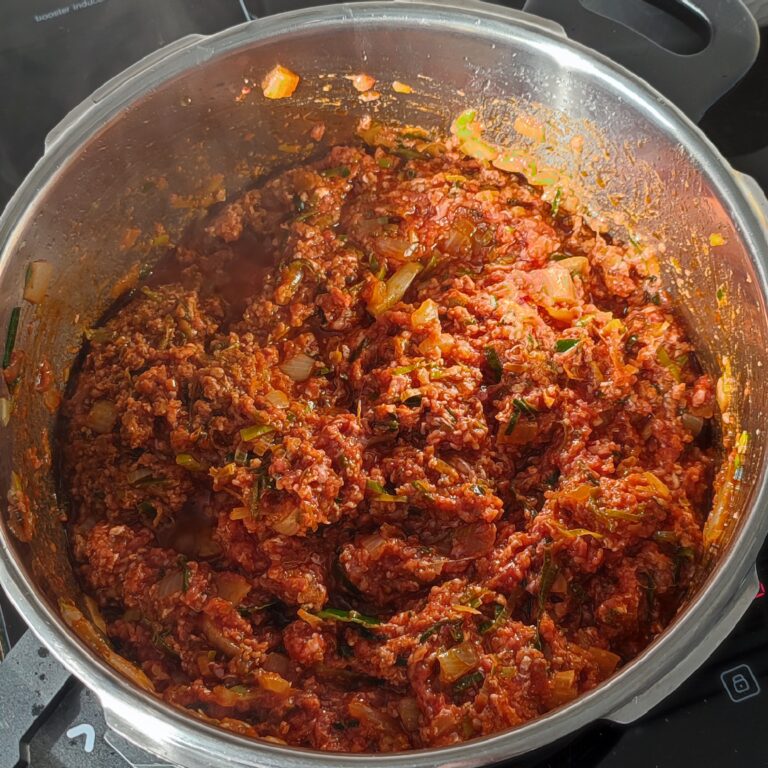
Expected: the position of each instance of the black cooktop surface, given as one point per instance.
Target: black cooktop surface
(52, 55)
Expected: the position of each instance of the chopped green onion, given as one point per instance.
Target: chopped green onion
(374, 487)
(10, 339)
(512, 423)
(407, 153)
(422, 488)
(559, 256)
(384, 162)
(665, 537)
(453, 623)
(414, 401)
(463, 125)
(523, 406)
(341, 171)
(395, 288)
(674, 367)
(556, 201)
(188, 461)
(256, 430)
(494, 363)
(388, 497)
(351, 617)
(499, 615)
(549, 571)
(468, 681)
(478, 490)
(403, 369)
(563, 345)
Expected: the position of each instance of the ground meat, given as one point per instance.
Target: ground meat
(388, 454)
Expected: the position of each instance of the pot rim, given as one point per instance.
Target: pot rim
(179, 736)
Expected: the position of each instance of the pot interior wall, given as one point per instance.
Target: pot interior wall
(96, 217)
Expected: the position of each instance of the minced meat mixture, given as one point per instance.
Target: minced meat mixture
(390, 453)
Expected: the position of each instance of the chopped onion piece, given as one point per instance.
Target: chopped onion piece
(279, 83)
(374, 544)
(399, 87)
(288, 525)
(298, 367)
(277, 398)
(170, 584)
(425, 314)
(218, 640)
(232, 587)
(274, 683)
(575, 264)
(479, 149)
(457, 661)
(395, 288)
(102, 416)
(408, 709)
(606, 660)
(37, 280)
(5, 411)
(694, 424)
(188, 461)
(563, 687)
(362, 82)
(366, 714)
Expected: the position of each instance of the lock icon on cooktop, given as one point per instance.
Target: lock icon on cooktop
(740, 683)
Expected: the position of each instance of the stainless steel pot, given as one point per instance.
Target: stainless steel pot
(185, 114)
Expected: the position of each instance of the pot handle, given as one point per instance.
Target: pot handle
(694, 81)
(141, 66)
(654, 695)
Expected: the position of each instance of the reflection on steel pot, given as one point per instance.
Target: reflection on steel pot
(158, 134)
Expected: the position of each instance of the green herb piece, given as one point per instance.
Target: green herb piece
(407, 153)
(350, 617)
(185, 577)
(523, 406)
(469, 681)
(494, 363)
(247, 610)
(159, 641)
(549, 571)
(673, 366)
(463, 124)
(478, 490)
(512, 423)
(340, 171)
(556, 201)
(499, 615)
(384, 162)
(10, 338)
(558, 256)
(563, 345)
(374, 487)
(422, 488)
(188, 461)
(437, 626)
(358, 350)
(665, 537)
(414, 401)
(256, 430)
